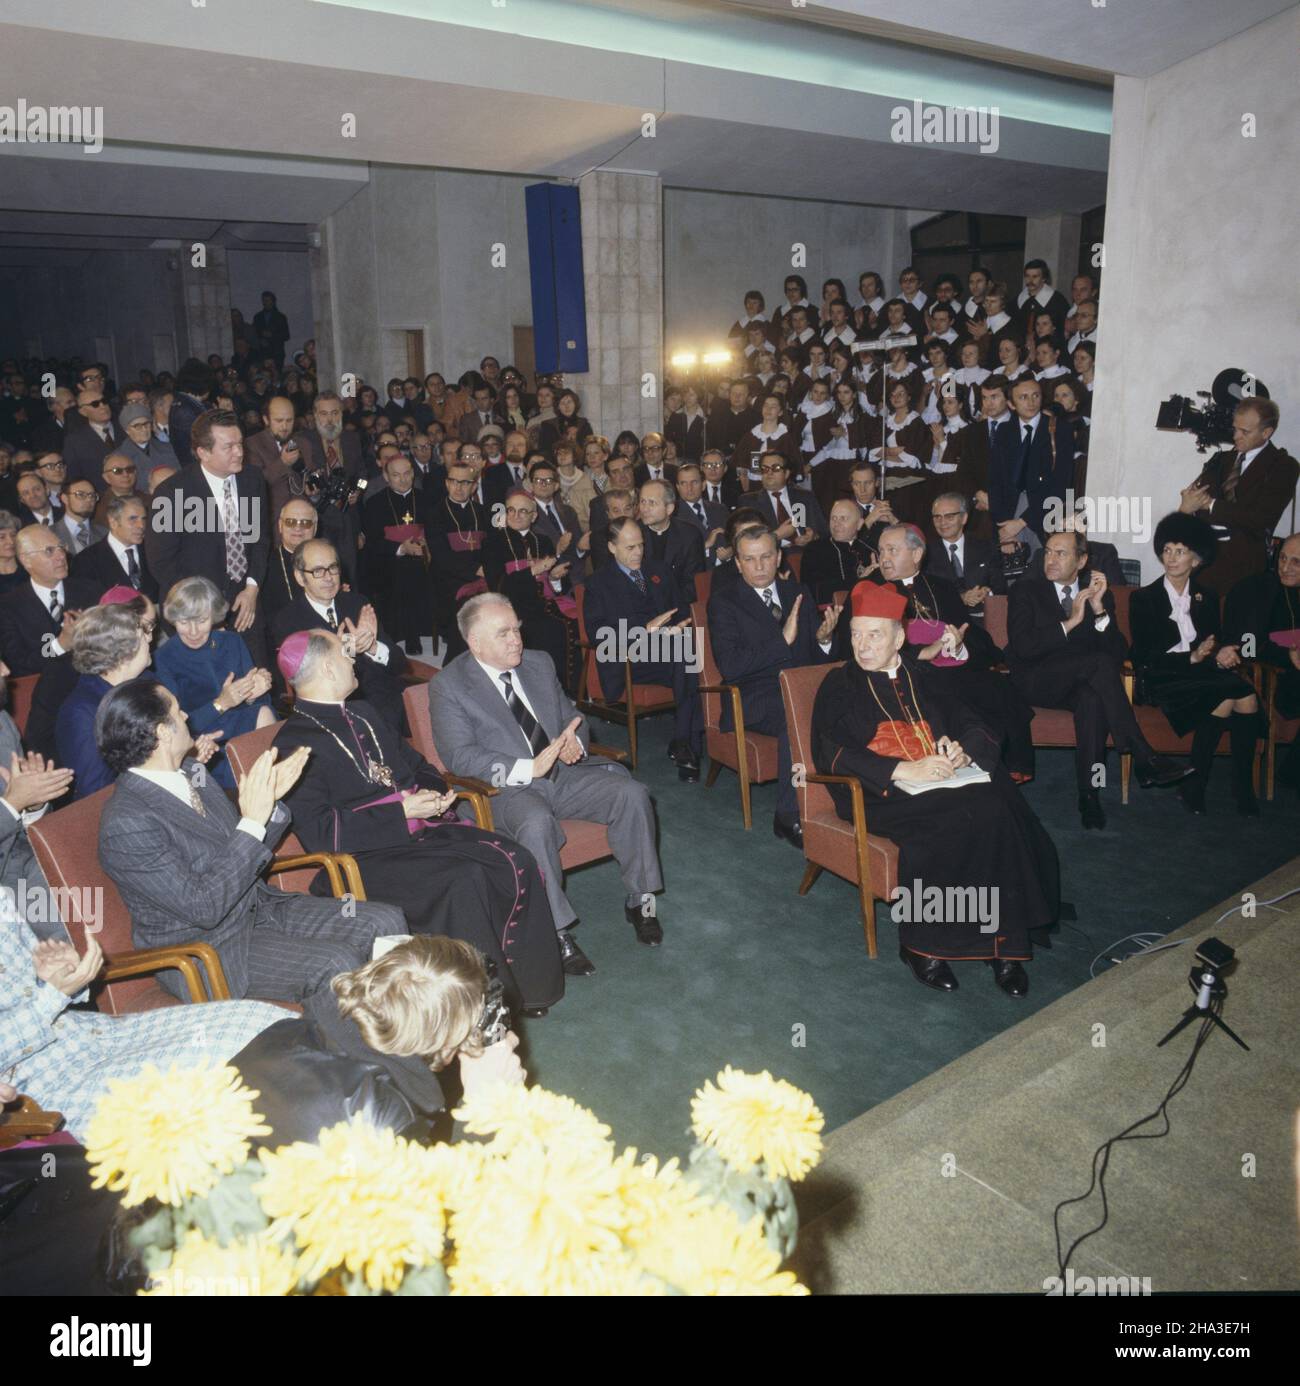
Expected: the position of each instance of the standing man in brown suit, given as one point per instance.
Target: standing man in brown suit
(1243, 492)
(277, 450)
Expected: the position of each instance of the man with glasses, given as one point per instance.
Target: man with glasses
(297, 524)
(321, 604)
(119, 473)
(794, 515)
(85, 448)
(654, 468)
(78, 528)
(118, 559)
(53, 471)
(974, 565)
(555, 519)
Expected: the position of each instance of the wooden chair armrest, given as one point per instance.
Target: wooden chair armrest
(858, 802)
(737, 707)
(482, 809)
(183, 957)
(610, 752)
(1126, 673)
(323, 860)
(469, 782)
(24, 1118)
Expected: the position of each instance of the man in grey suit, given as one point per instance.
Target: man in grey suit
(188, 864)
(500, 715)
(76, 528)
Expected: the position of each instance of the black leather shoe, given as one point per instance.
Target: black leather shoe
(790, 829)
(680, 753)
(648, 928)
(1192, 794)
(576, 962)
(930, 972)
(1160, 771)
(1010, 976)
(536, 1012)
(1090, 810)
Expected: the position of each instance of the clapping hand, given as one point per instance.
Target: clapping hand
(205, 747)
(563, 542)
(952, 641)
(1194, 498)
(1096, 594)
(570, 747)
(1204, 650)
(267, 781)
(790, 629)
(1229, 657)
(58, 963)
(829, 622)
(32, 780)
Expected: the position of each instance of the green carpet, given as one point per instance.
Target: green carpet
(748, 968)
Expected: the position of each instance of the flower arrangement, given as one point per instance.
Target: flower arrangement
(541, 1203)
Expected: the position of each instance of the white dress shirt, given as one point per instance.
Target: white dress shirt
(121, 550)
(44, 594)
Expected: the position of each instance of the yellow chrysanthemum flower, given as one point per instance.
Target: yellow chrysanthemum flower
(360, 1198)
(517, 1116)
(249, 1266)
(748, 1118)
(706, 1250)
(536, 1214)
(171, 1136)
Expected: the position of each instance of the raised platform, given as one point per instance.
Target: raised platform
(949, 1187)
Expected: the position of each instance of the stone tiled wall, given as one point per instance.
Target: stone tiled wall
(622, 254)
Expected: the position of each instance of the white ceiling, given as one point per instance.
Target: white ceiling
(1132, 38)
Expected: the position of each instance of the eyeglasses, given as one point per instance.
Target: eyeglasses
(82, 495)
(325, 570)
(947, 515)
(772, 470)
(525, 510)
(120, 471)
(287, 523)
(51, 466)
(92, 403)
(47, 551)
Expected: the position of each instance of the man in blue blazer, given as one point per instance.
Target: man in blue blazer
(635, 611)
(1029, 465)
(757, 627)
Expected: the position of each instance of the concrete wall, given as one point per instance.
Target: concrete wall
(1200, 240)
(718, 245)
(288, 276)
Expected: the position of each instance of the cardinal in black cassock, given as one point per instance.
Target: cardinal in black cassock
(883, 716)
(448, 876)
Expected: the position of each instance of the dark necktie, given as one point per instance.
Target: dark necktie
(715, 494)
(639, 578)
(956, 562)
(699, 513)
(772, 604)
(56, 608)
(528, 724)
(782, 514)
(1234, 476)
(1022, 459)
(1067, 603)
(132, 568)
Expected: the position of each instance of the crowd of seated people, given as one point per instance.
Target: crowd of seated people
(185, 560)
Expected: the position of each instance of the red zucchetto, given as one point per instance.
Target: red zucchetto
(878, 599)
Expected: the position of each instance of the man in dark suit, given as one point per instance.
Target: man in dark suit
(52, 434)
(757, 627)
(615, 505)
(1030, 467)
(211, 520)
(555, 519)
(972, 474)
(500, 715)
(188, 863)
(707, 516)
(35, 505)
(1243, 492)
(480, 414)
(794, 515)
(279, 452)
(973, 564)
(321, 604)
(1101, 557)
(85, 447)
(36, 625)
(654, 468)
(731, 419)
(1256, 607)
(635, 606)
(721, 485)
(119, 559)
(670, 541)
(1065, 649)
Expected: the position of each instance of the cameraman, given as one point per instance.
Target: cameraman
(1243, 492)
(334, 453)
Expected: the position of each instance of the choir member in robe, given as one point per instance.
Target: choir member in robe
(367, 793)
(887, 720)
